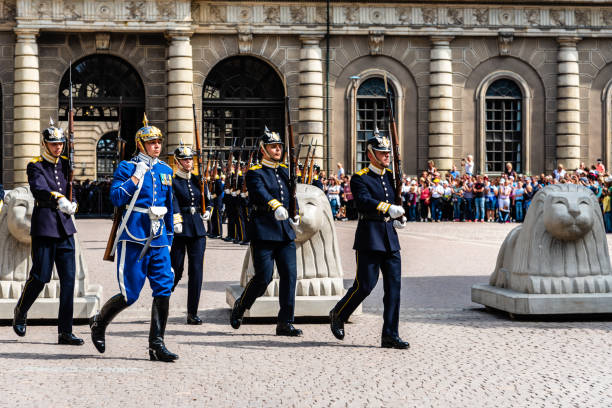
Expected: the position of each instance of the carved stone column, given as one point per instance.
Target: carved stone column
(568, 104)
(26, 103)
(441, 103)
(311, 93)
(180, 82)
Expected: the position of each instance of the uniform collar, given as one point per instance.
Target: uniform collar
(183, 174)
(147, 159)
(49, 157)
(378, 170)
(270, 163)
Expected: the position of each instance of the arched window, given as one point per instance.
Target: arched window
(503, 126)
(100, 84)
(241, 95)
(371, 112)
(106, 155)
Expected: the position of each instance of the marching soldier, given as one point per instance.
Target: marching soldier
(52, 235)
(272, 235)
(230, 210)
(187, 195)
(1, 194)
(376, 244)
(144, 185)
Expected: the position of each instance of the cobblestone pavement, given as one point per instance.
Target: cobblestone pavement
(460, 355)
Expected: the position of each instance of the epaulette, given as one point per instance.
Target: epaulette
(165, 164)
(64, 157)
(255, 167)
(36, 159)
(363, 171)
(283, 165)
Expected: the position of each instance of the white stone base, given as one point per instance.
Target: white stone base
(267, 306)
(529, 304)
(45, 308)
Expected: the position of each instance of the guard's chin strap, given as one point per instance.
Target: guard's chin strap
(47, 155)
(266, 154)
(374, 159)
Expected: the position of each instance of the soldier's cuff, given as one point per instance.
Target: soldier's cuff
(177, 219)
(274, 204)
(129, 187)
(56, 195)
(383, 207)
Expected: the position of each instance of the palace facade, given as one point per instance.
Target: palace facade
(526, 82)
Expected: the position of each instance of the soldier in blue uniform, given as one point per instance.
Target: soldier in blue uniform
(1, 195)
(188, 197)
(144, 185)
(52, 235)
(315, 178)
(272, 235)
(216, 220)
(376, 244)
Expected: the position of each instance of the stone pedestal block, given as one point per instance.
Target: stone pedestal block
(568, 103)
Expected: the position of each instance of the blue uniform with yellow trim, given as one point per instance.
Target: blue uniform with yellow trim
(52, 237)
(145, 224)
(271, 240)
(376, 247)
(192, 241)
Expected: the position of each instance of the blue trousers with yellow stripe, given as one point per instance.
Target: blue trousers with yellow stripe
(132, 272)
(369, 263)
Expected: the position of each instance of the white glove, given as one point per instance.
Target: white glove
(141, 169)
(227, 191)
(294, 221)
(399, 224)
(234, 193)
(281, 213)
(65, 206)
(206, 216)
(178, 228)
(74, 208)
(396, 211)
(243, 195)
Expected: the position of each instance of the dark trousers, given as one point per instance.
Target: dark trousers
(194, 247)
(369, 263)
(264, 254)
(47, 252)
(216, 221)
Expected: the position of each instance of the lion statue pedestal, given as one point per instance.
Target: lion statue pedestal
(556, 262)
(16, 262)
(319, 270)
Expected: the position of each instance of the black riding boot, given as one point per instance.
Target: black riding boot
(159, 317)
(99, 322)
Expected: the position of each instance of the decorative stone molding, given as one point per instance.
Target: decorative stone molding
(298, 14)
(102, 41)
(7, 10)
(245, 40)
(376, 41)
(404, 14)
(481, 16)
(504, 40)
(272, 14)
(455, 16)
(429, 16)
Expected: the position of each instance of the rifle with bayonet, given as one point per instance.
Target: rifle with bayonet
(243, 188)
(200, 159)
(108, 252)
(305, 176)
(293, 163)
(70, 144)
(311, 167)
(397, 164)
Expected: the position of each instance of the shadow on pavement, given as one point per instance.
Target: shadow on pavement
(272, 343)
(47, 356)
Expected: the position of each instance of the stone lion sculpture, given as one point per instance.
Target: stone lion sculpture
(319, 269)
(560, 248)
(15, 249)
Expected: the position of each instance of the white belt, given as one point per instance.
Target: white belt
(155, 213)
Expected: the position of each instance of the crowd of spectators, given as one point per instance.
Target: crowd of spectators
(93, 197)
(459, 195)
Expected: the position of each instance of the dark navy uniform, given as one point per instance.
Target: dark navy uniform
(52, 233)
(376, 248)
(192, 240)
(216, 220)
(271, 240)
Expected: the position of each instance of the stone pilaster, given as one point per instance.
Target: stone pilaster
(568, 104)
(311, 93)
(26, 103)
(441, 103)
(180, 83)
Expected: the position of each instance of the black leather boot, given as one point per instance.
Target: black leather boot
(336, 325)
(159, 318)
(287, 329)
(237, 313)
(69, 339)
(99, 322)
(394, 342)
(193, 319)
(19, 322)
